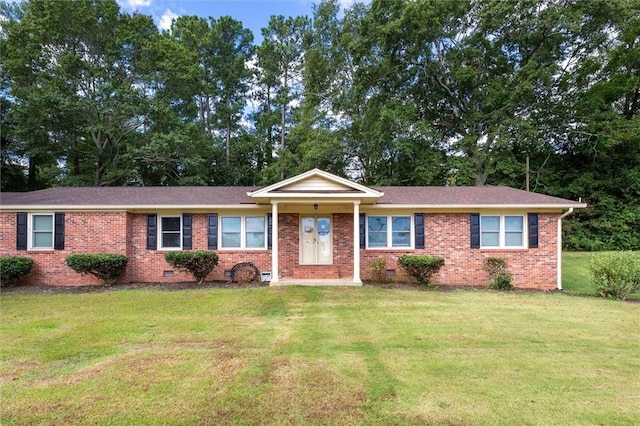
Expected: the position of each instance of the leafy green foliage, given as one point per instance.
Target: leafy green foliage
(393, 92)
(379, 270)
(615, 275)
(422, 268)
(107, 267)
(13, 268)
(499, 274)
(198, 263)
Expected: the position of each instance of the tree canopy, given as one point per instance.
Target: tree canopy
(388, 92)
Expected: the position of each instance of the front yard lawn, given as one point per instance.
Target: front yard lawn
(575, 273)
(310, 355)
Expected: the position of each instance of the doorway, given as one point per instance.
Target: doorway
(316, 240)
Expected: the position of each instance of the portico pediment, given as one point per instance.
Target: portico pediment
(315, 185)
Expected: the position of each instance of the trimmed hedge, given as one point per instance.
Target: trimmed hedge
(198, 263)
(13, 268)
(615, 275)
(107, 267)
(422, 268)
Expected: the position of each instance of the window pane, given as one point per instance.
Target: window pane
(43, 223)
(490, 239)
(43, 239)
(170, 240)
(171, 224)
(377, 231)
(513, 239)
(255, 240)
(377, 239)
(490, 223)
(255, 224)
(400, 223)
(513, 223)
(324, 226)
(401, 239)
(230, 239)
(377, 223)
(231, 224)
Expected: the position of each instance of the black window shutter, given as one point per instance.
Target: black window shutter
(212, 232)
(533, 230)
(363, 230)
(419, 231)
(58, 234)
(186, 231)
(152, 232)
(269, 231)
(21, 232)
(475, 230)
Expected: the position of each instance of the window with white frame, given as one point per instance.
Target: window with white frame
(170, 232)
(41, 231)
(502, 231)
(243, 232)
(389, 231)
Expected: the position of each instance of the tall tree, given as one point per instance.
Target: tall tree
(281, 58)
(83, 82)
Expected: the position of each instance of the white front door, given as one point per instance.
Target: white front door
(316, 242)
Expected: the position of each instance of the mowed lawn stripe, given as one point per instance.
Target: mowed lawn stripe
(305, 355)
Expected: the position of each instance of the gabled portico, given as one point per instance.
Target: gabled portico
(316, 196)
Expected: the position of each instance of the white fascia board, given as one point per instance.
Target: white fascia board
(125, 208)
(476, 206)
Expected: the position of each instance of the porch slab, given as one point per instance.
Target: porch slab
(339, 282)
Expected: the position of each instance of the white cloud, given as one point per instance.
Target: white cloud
(166, 18)
(135, 4)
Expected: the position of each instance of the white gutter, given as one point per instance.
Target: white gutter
(559, 279)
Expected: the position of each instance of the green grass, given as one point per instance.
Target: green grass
(575, 273)
(305, 355)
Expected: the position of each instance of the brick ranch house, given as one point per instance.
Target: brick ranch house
(314, 227)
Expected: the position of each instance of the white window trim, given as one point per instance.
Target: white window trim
(243, 232)
(30, 231)
(389, 245)
(160, 247)
(502, 232)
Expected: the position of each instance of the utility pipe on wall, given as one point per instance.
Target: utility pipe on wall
(559, 256)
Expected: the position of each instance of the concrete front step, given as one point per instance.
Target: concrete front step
(346, 282)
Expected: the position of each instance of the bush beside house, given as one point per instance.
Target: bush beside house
(106, 267)
(422, 268)
(13, 268)
(198, 263)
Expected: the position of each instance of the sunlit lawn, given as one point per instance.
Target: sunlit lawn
(304, 355)
(575, 273)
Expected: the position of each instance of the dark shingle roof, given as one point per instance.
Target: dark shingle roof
(211, 196)
(467, 196)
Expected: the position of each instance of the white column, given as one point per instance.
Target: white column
(356, 242)
(275, 274)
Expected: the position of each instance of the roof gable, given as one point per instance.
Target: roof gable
(313, 185)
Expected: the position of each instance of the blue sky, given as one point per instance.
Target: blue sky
(254, 14)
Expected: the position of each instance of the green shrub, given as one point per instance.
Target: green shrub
(107, 267)
(615, 275)
(198, 263)
(422, 268)
(498, 273)
(379, 270)
(13, 268)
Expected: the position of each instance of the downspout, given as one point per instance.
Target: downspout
(559, 255)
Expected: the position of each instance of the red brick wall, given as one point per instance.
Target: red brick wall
(93, 232)
(110, 232)
(446, 235)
